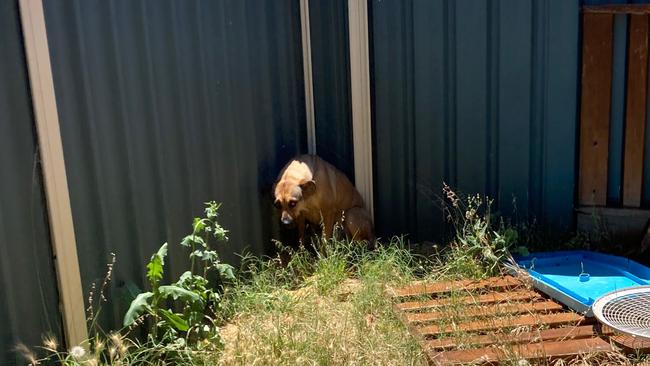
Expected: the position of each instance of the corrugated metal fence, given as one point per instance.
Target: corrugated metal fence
(480, 94)
(331, 75)
(165, 105)
(28, 292)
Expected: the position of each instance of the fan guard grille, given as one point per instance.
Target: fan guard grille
(627, 311)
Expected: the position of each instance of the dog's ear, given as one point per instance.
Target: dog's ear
(308, 188)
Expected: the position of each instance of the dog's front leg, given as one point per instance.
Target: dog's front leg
(300, 222)
(328, 227)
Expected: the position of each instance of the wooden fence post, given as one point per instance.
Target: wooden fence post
(55, 180)
(361, 107)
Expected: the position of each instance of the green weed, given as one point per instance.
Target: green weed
(482, 241)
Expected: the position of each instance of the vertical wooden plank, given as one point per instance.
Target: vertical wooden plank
(360, 89)
(595, 108)
(305, 30)
(56, 183)
(635, 115)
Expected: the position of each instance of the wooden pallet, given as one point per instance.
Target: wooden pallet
(493, 320)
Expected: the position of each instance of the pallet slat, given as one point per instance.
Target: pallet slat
(491, 310)
(533, 351)
(583, 331)
(595, 107)
(635, 112)
(490, 298)
(500, 323)
(428, 288)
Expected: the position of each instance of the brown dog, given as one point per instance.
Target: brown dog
(310, 190)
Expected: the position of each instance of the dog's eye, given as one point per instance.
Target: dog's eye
(292, 204)
(277, 204)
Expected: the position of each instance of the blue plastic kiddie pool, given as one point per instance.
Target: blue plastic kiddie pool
(578, 278)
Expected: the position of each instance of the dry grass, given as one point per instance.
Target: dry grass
(319, 321)
(319, 330)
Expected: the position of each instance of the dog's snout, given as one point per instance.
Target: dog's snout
(286, 218)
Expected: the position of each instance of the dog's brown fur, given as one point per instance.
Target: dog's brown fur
(310, 190)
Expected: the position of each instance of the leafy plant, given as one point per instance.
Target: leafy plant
(183, 312)
(180, 315)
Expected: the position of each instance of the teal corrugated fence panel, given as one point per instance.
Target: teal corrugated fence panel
(330, 51)
(482, 95)
(29, 305)
(165, 105)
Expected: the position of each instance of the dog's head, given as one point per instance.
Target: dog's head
(290, 199)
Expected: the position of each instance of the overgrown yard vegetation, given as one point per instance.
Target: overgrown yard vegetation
(322, 310)
(326, 306)
(330, 307)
